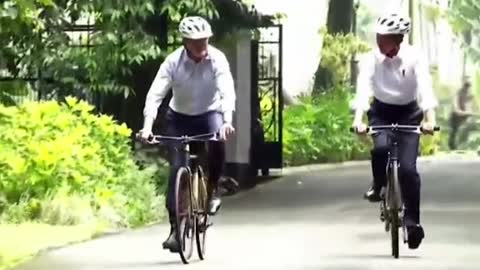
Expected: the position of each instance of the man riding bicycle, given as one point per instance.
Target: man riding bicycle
(203, 101)
(395, 74)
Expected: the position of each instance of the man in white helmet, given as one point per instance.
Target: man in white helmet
(203, 101)
(397, 77)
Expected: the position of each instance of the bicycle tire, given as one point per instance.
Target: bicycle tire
(394, 210)
(184, 217)
(386, 214)
(202, 212)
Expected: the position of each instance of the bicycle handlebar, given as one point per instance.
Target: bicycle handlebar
(395, 127)
(157, 139)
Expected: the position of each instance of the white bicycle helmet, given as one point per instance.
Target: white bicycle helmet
(195, 28)
(393, 24)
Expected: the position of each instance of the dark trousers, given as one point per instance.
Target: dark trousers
(408, 146)
(179, 125)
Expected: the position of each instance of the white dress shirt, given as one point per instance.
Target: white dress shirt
(397, 81)
(197, 87)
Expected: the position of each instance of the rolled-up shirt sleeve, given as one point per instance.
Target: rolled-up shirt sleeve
(159, 89)
(226, 86)
(364, 84)
(428, 100)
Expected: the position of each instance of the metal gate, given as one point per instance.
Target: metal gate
(34, 85)
(267, 99)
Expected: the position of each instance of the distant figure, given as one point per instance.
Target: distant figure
(461, 112)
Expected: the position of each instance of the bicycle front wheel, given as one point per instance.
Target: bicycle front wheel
(185, 220)
(202, 214)
(394, 228)
(395, 203)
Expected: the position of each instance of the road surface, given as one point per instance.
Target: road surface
(308, 220)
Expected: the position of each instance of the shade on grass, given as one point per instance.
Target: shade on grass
(21, 242)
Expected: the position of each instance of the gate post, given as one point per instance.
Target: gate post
(238, 147)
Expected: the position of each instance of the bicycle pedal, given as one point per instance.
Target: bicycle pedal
(202, 228)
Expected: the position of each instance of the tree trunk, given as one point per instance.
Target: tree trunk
(339, 20)
(340, 16)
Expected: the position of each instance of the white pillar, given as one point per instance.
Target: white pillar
(238, 147)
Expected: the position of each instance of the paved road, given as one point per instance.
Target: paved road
(308, 220)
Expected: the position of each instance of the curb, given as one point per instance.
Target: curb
(324, 166)
(451, 157)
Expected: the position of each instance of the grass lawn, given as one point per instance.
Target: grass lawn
(21, 242)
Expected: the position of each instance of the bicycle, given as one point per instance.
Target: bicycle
(391, 207)
(191, 195)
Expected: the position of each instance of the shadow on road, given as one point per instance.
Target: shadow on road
(373, 256)
(140, 265)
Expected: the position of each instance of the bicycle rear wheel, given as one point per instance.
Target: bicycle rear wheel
(395, 203)
(202, 214)
(185, 220)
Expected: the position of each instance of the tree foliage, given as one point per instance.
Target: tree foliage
(334, 68)
(36, 35)
(42, 39)
(365, 22)
(464, 19)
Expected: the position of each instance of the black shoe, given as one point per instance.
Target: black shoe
(171, 243)
(415, 236)
(214, 205)
(229, 186)
(372, 195)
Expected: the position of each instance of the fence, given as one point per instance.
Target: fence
(37, 85)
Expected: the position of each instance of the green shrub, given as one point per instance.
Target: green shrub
(317, 130)
(337, 51)
(430, 145)
(57, 160)
(154, 158)
(468, 135)
(66, 209)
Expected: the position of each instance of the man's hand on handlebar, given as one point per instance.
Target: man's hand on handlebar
(360, 128)
(428, 128)
(145, 135)
(425, 128)
(226, 131)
